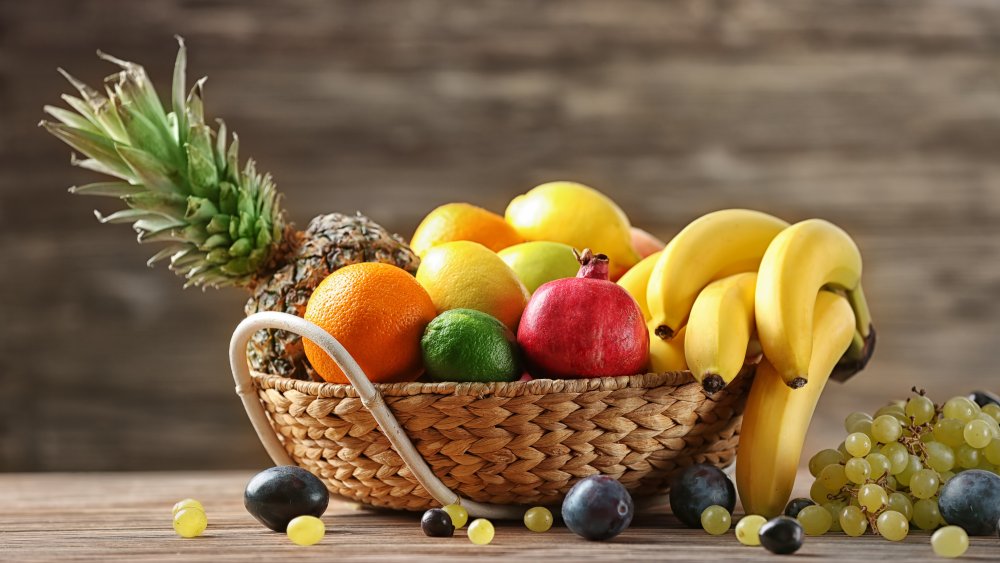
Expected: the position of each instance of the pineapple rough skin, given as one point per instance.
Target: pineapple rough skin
(331, 242)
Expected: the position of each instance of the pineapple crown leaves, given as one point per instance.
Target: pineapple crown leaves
(180, 180)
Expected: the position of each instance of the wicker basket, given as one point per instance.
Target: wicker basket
(494, 447)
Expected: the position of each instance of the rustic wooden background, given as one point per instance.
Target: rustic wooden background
(883, 116)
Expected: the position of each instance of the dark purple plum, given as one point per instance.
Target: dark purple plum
(598, 508)
(696, 488)
(436, 523)
(971, 500)
(278, 494)
(796, 505)
(983, 398)
(781, 535)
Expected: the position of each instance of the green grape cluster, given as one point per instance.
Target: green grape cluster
(886, 474)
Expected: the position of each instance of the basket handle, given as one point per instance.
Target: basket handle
(370, 398)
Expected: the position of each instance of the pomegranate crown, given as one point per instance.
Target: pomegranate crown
(593, 266)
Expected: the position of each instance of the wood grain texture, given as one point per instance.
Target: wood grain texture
(881, 116)
(126, 517)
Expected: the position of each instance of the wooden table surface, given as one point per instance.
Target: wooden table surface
(126, 516)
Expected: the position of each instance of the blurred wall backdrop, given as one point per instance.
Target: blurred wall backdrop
(883, 116)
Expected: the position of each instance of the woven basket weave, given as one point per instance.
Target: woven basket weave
(520, 443)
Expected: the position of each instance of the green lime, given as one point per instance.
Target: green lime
(540, 261)
(469, 345)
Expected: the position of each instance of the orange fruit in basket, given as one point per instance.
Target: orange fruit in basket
(378, 312)
(463, 221)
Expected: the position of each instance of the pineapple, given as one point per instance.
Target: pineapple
(222, 225)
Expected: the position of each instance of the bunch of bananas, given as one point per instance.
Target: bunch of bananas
(738, 287)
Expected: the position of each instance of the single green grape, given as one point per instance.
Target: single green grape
(925, 483)
(926, 515)
(901, 503)
(893, 410)
(305, 530)
(187, 503)
(939, 456)
(967, 457)
(992, 410)
(853, 521)
(481, 531)
(842, 448)
(991, 422)
(992, 452)
(854, 418)
(190, 522)
(857, 470)
(818, 492)
(892, 525)
(920, 409)
(833, 477)
(960, 408)
(886, 429)
(748, 529)
(946, 476)
(459, 515)
(863, 427)
(977, 434)
(950, 432)
(890, 482)
(872, 497)
(834, 507)
(858, 444)
(879, 463)
(899, 458)
(912, 466)
(815, 520)
(950, 541)
(538, 519)
(716, 520)
(822, 459)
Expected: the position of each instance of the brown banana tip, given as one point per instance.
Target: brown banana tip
(797, 383)
(712, 383)
(664, 332)
(870, 343)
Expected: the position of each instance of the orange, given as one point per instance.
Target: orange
(378, 312)
(463, 221)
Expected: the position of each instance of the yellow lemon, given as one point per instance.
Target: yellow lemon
(463, 221)
(467, 275)
(577, 215)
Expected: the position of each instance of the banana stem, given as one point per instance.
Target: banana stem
(862, 316)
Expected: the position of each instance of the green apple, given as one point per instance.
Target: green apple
(540, 262)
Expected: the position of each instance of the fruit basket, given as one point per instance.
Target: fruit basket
(494, 447)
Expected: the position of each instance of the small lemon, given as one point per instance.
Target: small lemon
(467, 275)
(577, 215)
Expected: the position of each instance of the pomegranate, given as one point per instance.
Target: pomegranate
(585, 326)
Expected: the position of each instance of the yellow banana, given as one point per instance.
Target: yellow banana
(666, 355)
(719, 329)
(637, 278)
(712, 247)
(776, 416)
(800, 261)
